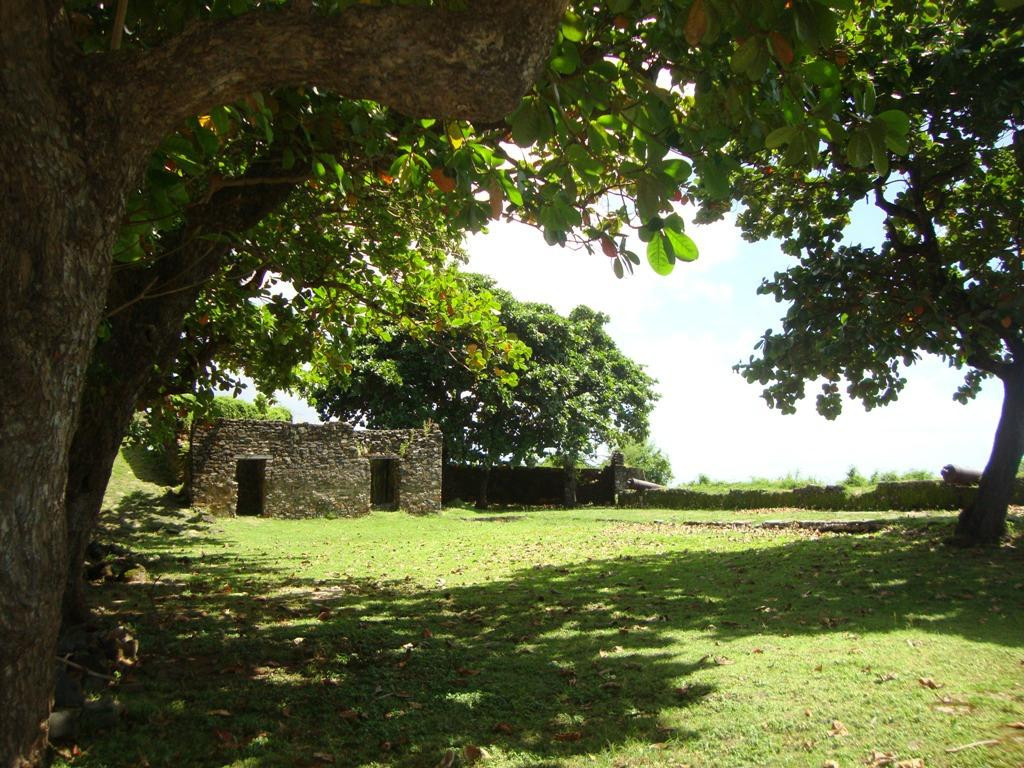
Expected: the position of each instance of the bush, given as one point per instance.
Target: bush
(648, 457)
(854, 478)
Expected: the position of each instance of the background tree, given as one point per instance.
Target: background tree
(206, 305)
(948, 278)
(648, 457)
(574, 391)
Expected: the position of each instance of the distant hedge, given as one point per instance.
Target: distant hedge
(225, 407)
(918, 494)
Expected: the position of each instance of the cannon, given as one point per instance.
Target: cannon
(958, 476)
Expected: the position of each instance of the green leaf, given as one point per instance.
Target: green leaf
(676, 169)
(714, 177)
(648, 197)
(896, 129)
(573, 27)
(526, 126)
(567, 60)
(780, 136)
(858, 151)
(896, 121)
(745, 57)
(683, 247)
(659, 255)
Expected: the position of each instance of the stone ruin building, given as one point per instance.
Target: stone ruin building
(279, 469)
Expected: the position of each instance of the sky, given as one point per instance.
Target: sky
(689, 328)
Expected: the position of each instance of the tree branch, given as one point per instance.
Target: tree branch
(473, 64)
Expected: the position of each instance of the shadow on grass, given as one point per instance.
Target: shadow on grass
(147, 465)
(245, 661)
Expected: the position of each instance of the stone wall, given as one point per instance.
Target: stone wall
(418, 452)
(538, 486)
(907, 495)
(312, 470)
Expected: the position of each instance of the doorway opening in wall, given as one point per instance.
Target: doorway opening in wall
(384, 483)
(251, 476)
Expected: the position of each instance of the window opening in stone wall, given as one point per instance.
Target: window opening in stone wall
(251, 475)
(384, 483)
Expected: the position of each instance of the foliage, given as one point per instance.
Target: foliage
(786, 482)
(573, 391)
(648, 457)
(901, 477)
(163, 428)
(854, 479)
(643, 103)
(947, 278)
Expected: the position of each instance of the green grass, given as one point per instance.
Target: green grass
(602, 637)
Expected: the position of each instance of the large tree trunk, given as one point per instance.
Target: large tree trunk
(984, 521)
(569, 484)
(484, 480)
(143, 340)
(57, 223)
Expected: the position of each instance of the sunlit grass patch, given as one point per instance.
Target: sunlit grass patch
(567, 638)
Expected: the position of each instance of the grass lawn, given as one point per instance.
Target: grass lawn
(601, 637)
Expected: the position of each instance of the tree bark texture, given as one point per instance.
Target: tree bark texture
(143, 339)
(56, 233)
(75, 132)
(569, 485)
(482, 498)
(984, 521)
(472, 64)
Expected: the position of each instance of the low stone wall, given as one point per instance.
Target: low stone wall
(537, 486)
(910, 495)
(312, 470)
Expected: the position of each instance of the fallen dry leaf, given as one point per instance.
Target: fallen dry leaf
(569, 736)
(323, 757)
(887, 677)
(877, 758)
(838, 729)
(219, 712)
(226, 738)
(471, 753)
(1019, 725)
(830, 764)
(348, 714)
(447, 759)
(324, 615)
(927, 682)
(502, 728)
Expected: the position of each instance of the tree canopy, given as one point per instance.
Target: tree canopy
(948, 277)
(573, 391)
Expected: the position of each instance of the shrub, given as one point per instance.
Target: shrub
(854, 478)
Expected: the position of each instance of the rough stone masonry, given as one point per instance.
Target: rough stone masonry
(278, 469)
